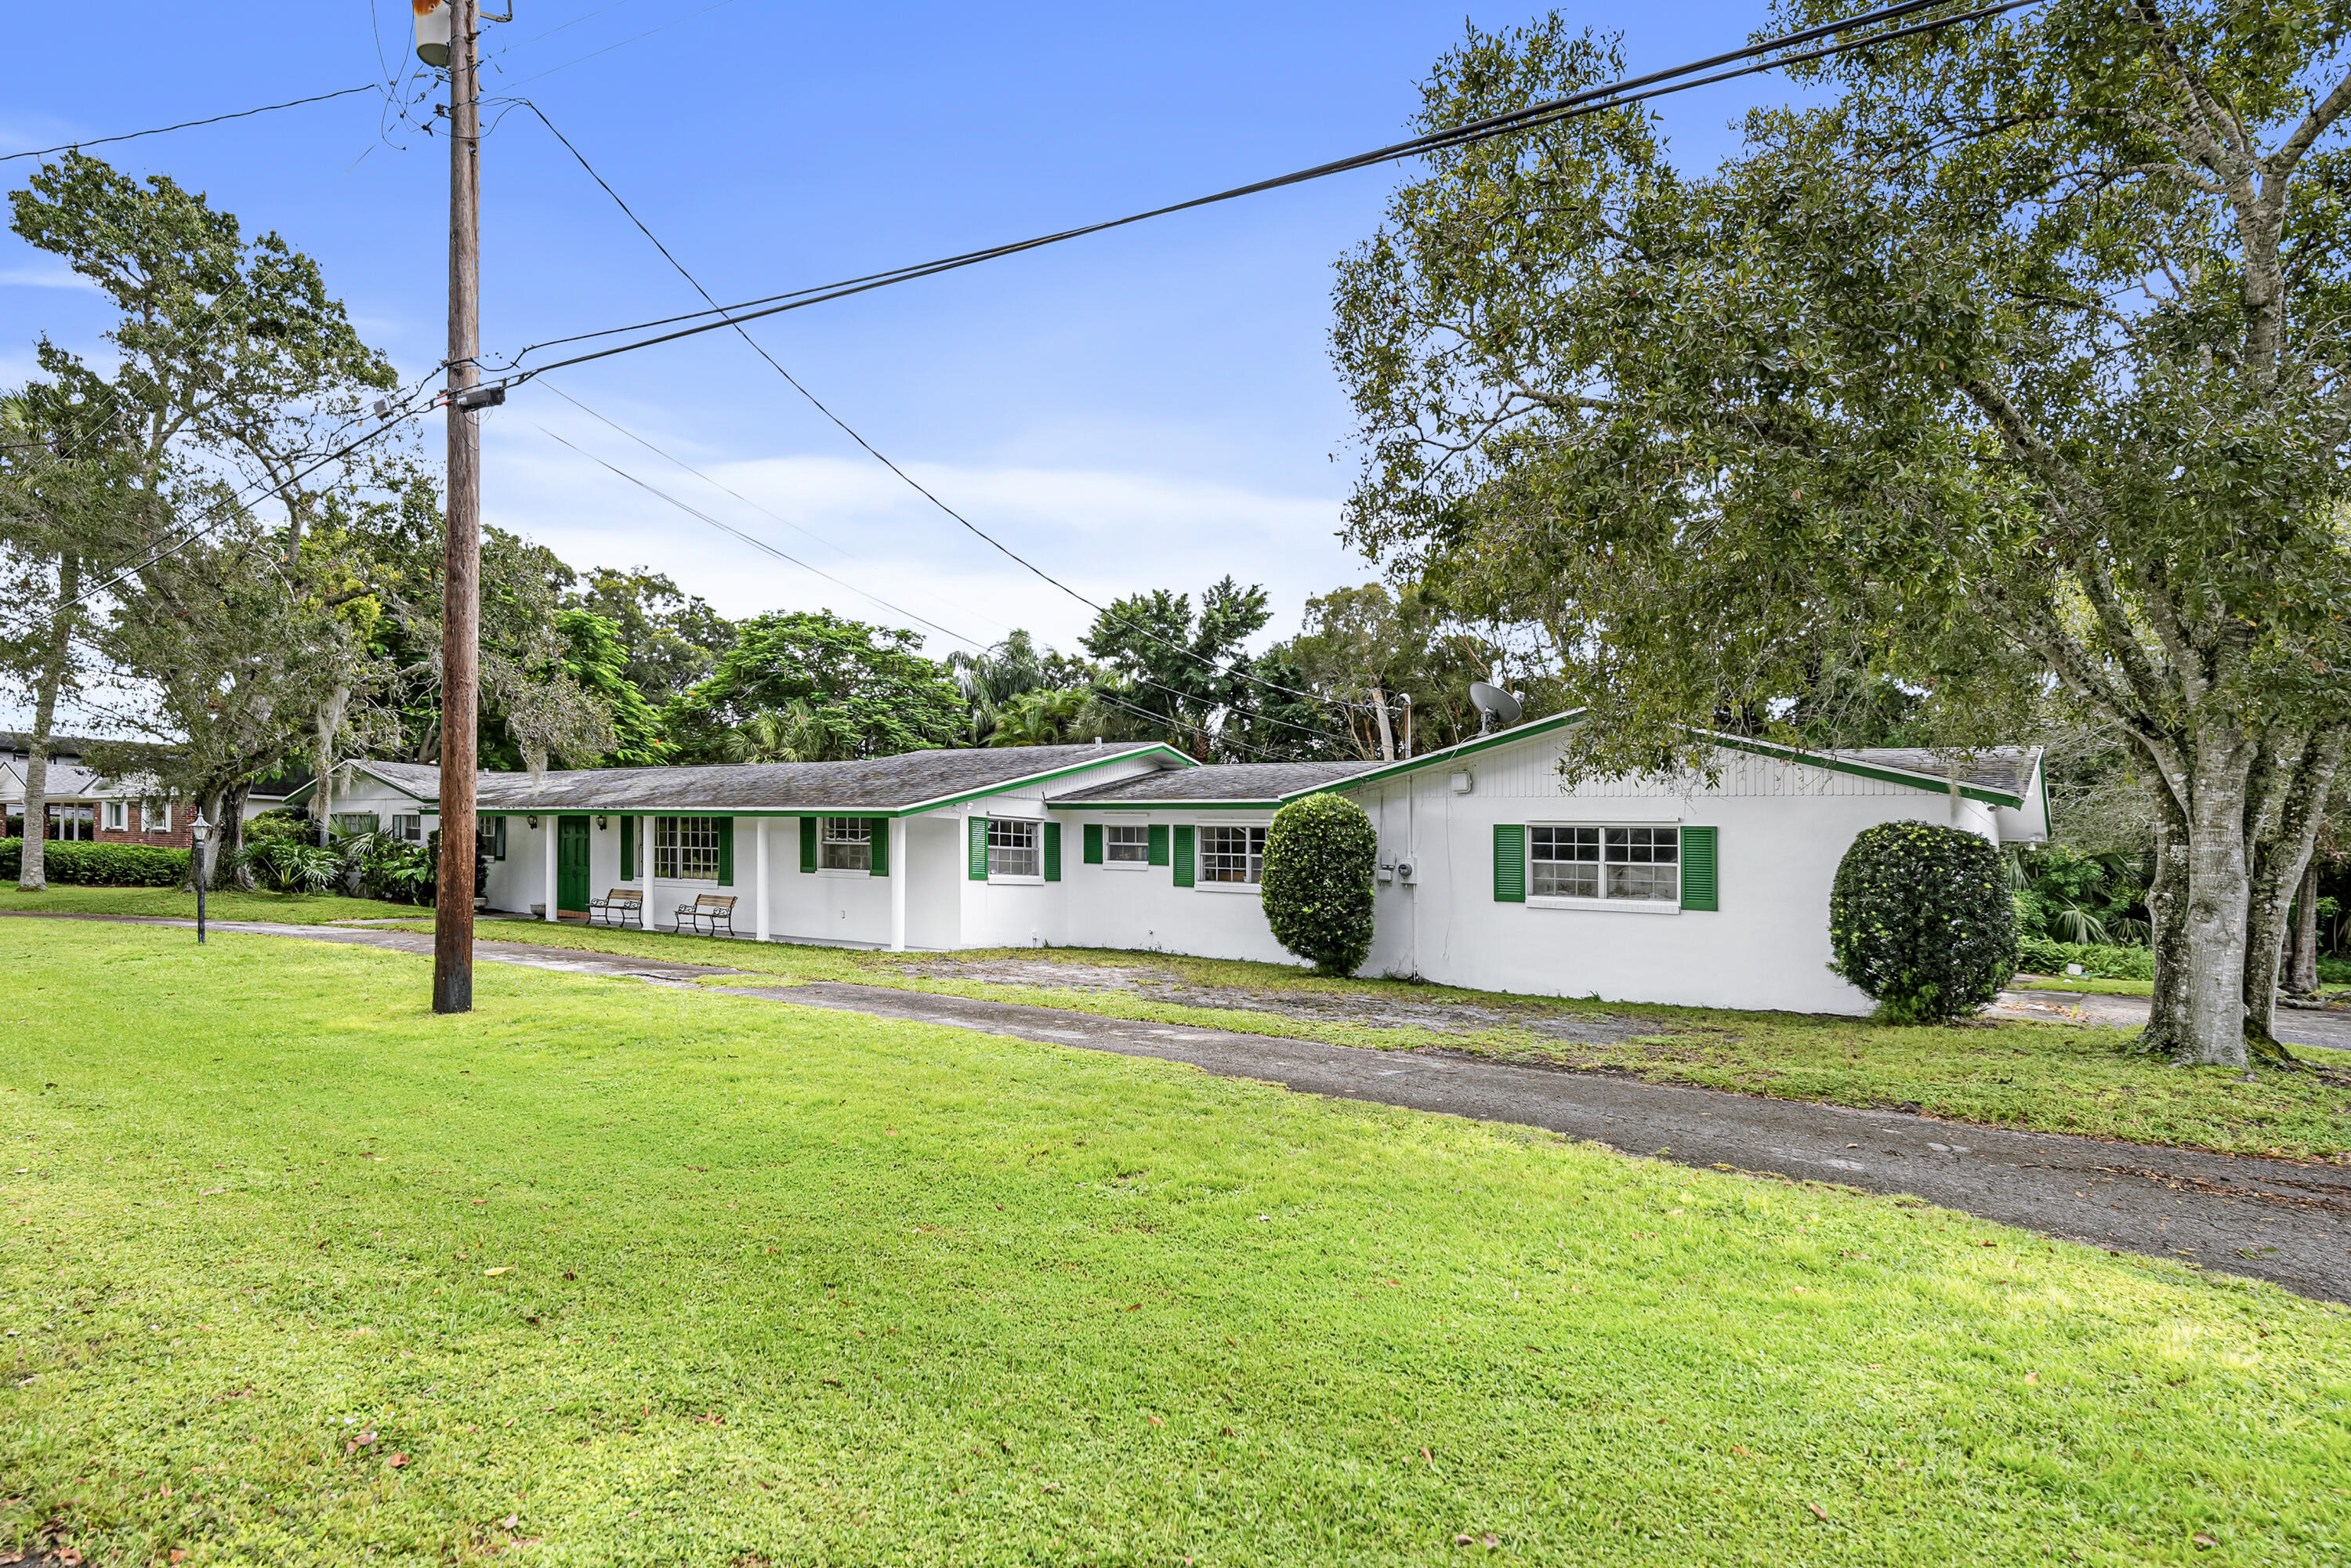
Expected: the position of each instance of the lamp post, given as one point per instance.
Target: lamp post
(200, 833)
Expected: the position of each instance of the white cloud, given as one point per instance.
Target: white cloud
(1105, 532)
(43, 277)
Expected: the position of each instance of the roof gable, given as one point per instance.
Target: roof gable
(1999, 776)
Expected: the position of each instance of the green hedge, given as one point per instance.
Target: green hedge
(99, 865)
(2040, 955)
(1320, 855)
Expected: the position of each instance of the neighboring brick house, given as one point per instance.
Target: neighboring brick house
(84, 805)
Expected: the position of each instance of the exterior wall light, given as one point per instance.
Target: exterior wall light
(533, 823)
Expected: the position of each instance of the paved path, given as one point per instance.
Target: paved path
(2321, 1027)
(2271, 1219)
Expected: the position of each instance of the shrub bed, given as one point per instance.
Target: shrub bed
(2040, 955)
(99, 865)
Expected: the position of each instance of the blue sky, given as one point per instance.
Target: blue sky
(1150, 408)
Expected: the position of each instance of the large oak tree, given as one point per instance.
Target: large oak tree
(2015, 366)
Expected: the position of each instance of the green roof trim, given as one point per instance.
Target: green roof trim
(1925, 782)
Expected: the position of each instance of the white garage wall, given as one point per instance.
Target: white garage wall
(1781, 831)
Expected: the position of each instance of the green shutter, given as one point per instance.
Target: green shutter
(498, 838)
(1183, 854)
(628, 846)
(1158, 837)
(1052, 852)
(808, 843)
(1701, 882)
(1094, 843)
(980, 848)
(725, 851)
(1510, 864)
(881, 829)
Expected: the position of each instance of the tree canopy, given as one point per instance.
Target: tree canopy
(867, 687)
(2014, 366)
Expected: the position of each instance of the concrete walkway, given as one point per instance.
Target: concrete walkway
(2324, 1027)
(2273, 1219)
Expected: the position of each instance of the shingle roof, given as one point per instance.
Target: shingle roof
(880, 784)
(2007, 768)
(1251, 781)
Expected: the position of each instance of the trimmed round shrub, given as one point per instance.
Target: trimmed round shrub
(1920, 920)
(1319, 858)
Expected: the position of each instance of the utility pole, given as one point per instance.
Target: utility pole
(461, 566)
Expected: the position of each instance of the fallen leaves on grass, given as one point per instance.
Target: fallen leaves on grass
(1818, 1512)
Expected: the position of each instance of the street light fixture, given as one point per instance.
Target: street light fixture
(199, 832)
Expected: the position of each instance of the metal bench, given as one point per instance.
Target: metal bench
(710, 914)
(623, 906)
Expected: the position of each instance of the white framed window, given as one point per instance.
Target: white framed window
(1641, 865)
(73, 820)
(118, 816)
(846, 844)
(157, 818)
(685, 849)
(1232, 854)
(408, 829)
(1124, 844)
(1012, 848)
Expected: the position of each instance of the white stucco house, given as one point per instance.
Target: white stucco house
(1492, 874)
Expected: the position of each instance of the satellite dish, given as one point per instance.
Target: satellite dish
(1495, 703)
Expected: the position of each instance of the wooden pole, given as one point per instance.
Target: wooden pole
(461, 586)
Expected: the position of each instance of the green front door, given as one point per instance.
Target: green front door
(571, 865)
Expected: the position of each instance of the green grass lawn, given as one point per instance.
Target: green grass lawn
(301, 909)
(293, 1271)
(2044, 1077)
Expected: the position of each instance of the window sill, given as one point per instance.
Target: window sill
(1126, 865)
(996, 880)
(1608, 905)
(1230, 886)
(842, 871)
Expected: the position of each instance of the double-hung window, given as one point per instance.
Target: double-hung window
(408, 828)
(1012, 848)
(1126, 845)
(685, 849)
(156, 819)
(1639, 864)
(118, 816)
(1232, 854)
(846, 844)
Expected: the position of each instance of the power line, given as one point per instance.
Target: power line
(760, 544)
(1236, 672)
(673, 458)
(191, 124)
(1169, 720)
(609, 47)
(1593, 101)
(752, 540)
(229, 504)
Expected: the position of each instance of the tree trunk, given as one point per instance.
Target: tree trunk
(2282, 839)
(224, 807)
(2211, 1030)
(2304, 968)
(2167, 901)
(32, 864)
(330, 724)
